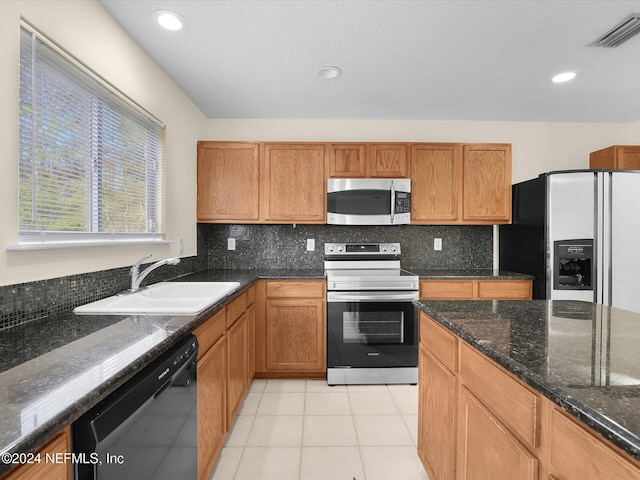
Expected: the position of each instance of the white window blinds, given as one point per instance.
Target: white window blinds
(91, 161)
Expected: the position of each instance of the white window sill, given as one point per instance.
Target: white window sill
(17, 247)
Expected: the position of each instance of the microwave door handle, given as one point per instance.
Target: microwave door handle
(393, 202)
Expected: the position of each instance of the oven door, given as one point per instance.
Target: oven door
(371, 329)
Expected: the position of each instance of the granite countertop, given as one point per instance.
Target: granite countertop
(468, 274)
(54, 369)
(584, 357)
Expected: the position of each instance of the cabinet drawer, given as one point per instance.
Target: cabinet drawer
(251, 295)
(446, 289)
(515, 405)
(236, 308)
(504, 289)
(577, 453)
(295, 289)
(210, 331)
(442, 344)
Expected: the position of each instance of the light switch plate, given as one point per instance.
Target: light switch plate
(311, 244)
(437, 244)
(231, 243)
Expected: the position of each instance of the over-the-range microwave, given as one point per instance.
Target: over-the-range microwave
(368, 201)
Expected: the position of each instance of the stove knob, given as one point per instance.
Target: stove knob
(339, 249)
(383, 248)
(393, 248)
(331, 248)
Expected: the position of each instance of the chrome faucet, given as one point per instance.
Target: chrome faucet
(137, 277)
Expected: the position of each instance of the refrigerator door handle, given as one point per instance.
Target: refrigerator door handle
(605, 275)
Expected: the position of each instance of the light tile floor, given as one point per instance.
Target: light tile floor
(306, 430)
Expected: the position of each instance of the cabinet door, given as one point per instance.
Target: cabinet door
(505, 289)
(295, 335)
(447, 289)
(436, 176)
(347, 161)
(294, 183)
(46, 470)
(436, 413)
(487, 184)
(576, 454)
(228, 185)
(236, 366)
(487, 450)
(212, 400)
(628, 158)
(251, 343)
(389, 160)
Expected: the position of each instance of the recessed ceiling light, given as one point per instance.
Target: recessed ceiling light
(328, 72)
(169, 20)
(564, 77)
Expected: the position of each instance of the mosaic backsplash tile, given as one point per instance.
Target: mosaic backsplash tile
(284, 246)
(257, 247)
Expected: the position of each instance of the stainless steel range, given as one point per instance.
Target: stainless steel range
(372, 325)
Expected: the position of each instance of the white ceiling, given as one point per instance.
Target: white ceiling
(401, 59)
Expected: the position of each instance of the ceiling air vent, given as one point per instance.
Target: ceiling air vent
(625, 30)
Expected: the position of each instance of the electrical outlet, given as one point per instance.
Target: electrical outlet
(311, 244)
(437, 244)
(180, 246)
(231, 243)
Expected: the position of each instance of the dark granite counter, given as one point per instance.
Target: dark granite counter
(468, 274)
(54, 369)
(584, 357)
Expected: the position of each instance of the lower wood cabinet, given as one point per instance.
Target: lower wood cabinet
(225, 369)
(577, 454)
(291, 329)
(459, 289)
(46, 470)
(487, 449)
(478, 421)
(237, 343)
(437, 416)
(212, 401)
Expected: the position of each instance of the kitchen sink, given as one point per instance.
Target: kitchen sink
(165, 298)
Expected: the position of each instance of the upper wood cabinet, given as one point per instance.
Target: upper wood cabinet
(486, 183)
(390, 160)
(242, 182)
(626, 157)
(436, 176)
(460, 184)
(294, 187)
(228, 182)
(368, 160)
(348, 160)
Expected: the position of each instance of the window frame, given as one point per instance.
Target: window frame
(155, 189)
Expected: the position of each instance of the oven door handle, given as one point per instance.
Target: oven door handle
(372, 296)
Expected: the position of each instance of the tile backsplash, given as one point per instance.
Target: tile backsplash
(258, 247)
(284, 246)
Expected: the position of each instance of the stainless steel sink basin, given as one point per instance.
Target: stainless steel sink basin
(164, 298)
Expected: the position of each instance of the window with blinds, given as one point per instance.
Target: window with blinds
(91, 161)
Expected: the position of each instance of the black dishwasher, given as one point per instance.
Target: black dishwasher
(147, 428)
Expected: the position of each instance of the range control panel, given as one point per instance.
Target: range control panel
(361, 248)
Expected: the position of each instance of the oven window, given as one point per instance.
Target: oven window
(373, 328)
